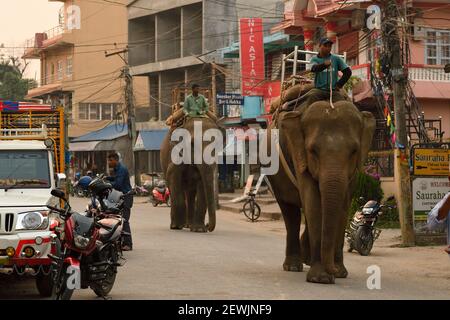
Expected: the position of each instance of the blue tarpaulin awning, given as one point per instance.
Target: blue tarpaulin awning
(150, 140)
(110, 132)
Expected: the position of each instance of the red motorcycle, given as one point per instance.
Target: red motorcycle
(160, 195)
(90, 245)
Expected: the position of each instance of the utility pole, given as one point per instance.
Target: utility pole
(399, 82)
(131, 116)
(214, 105)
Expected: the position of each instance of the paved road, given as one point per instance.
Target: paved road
(242, 260)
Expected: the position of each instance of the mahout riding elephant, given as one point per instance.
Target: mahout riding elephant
(191, 185)
(323, 148)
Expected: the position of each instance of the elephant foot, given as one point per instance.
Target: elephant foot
(318, 274)
(198, 228)
(293, 264)
(176, 227)
(341, 271)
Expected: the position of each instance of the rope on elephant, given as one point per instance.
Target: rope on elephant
(331, 87)
(286, 165)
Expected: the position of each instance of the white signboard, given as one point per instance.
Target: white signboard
(427, 192)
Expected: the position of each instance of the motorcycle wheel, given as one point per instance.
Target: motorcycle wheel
(103, 288)
(64, 292)
(364, 240)
(44, 281)
(154, 202)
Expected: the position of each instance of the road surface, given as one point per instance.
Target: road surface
(243, 260)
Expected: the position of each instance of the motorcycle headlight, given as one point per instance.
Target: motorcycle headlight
(81, 242)
(33, 220)
(367, 210)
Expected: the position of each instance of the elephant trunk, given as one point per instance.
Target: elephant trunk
(332, 189)
(207, 176)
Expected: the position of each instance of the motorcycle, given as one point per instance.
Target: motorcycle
(141, 191)
(362, 232)
(90, 245)
(160, 195)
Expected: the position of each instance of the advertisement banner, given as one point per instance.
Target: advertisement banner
(252, 56)
(427, 192)
(431, 162)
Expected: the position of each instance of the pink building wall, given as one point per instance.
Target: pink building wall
(435, 108)
(432, 19)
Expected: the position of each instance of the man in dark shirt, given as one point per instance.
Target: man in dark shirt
(121, 182)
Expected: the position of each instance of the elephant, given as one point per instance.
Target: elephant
(191, 185)
(323, 148)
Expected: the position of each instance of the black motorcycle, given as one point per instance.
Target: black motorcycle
(89, 244)
(362, 232)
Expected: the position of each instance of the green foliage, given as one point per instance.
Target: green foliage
(12, 85)
(368, 188)
(389, 218)
(351, 83)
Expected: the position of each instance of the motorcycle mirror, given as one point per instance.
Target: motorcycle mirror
(58, 193)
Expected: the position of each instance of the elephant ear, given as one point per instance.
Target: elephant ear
(368, 130)
(292, 141)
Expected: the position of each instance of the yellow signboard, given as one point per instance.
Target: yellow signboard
(431, 162)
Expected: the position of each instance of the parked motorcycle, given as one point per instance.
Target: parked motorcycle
(90, 244)
(362, 232)
(160, 195)
(141, 191)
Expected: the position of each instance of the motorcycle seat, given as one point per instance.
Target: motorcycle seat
(109, 228)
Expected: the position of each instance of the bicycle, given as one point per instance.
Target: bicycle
(251, 209)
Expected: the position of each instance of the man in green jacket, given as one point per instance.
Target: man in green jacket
(195, 104)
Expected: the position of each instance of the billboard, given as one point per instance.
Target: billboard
(427, 192)
(252, 56)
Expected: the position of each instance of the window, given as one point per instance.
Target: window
(52, 77)
(94, 111)
(97, 111)
(437, 47)
(69, 66)
(60, 70)
(83, 109)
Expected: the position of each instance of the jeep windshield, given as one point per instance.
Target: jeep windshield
(24, 169)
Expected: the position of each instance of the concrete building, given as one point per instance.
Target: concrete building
(166, 37)
(429, 42)
(76, 74)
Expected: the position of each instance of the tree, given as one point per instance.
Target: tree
(12, 84)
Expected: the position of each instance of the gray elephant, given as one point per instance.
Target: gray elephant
(191, 185)
(323, 148)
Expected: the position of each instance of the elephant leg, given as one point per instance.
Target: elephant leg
(311, 200)
(190, 204)
(178, 206)
(305, 247)
(339, 255)
(200, 210)
(292, 216)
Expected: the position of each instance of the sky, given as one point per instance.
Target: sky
(20, 20)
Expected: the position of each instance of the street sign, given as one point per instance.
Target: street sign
(229, 99)
(431, 162)
(427, 192)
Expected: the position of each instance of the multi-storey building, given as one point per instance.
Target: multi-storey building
(76, 73)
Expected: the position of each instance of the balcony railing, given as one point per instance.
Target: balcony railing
(428, 73)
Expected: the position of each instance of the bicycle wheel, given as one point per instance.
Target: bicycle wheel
(252, 210)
